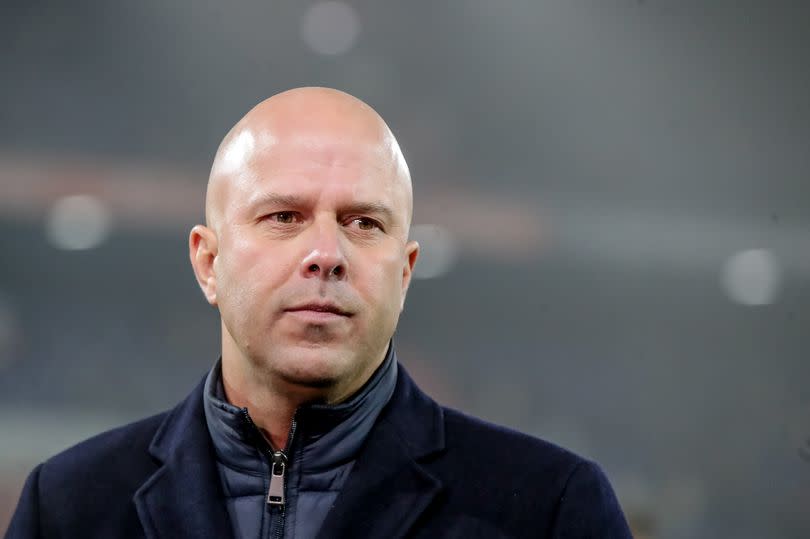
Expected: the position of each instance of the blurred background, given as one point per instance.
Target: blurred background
(612, 198)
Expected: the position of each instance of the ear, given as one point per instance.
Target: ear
(411, 253)
(202, 250)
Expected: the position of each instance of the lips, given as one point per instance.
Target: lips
(319, 307)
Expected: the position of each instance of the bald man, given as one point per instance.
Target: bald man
(307, 426)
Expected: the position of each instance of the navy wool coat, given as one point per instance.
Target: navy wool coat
(424, 472)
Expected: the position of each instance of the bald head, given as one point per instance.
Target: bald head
(318, 124)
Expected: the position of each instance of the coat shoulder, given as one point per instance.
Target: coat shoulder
(477, 437)
(108, 446)
(115, 460)
(513, 482)
(89, 486)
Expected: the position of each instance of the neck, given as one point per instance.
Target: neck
(272, 401)
(270, 409)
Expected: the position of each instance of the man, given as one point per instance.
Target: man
(307, 426)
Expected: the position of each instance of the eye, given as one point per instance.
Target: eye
(283, 217)
(365, 223)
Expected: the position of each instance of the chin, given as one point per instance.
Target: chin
(319, 368)
(308, 381)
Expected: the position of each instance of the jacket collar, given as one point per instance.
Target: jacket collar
(327, 434)
(387, 490)
(184, 497)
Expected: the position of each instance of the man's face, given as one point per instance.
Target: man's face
(313, 261)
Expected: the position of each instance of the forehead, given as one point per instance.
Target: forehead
(321, 167)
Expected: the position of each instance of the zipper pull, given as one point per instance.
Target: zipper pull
(278, 468)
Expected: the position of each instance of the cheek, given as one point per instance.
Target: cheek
(385, 280)
(251, 273)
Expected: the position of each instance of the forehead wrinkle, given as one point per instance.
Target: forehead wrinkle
(302, 155)
(260, 199)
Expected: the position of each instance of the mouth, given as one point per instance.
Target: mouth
(319, 310)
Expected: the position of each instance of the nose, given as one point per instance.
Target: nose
(325, 258)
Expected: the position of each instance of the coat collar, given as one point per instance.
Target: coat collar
(388, 488)
(184, 497)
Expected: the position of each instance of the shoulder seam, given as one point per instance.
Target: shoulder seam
(582, 462)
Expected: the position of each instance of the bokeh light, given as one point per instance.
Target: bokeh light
(78, 222)
(752, 277)
(437, 251)
(330, 28)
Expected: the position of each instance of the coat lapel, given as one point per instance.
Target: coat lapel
(184, 498)
(388, 488)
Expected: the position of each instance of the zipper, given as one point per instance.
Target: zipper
(278, 470)
(278, 461)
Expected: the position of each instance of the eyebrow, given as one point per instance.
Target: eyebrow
(275, 199)
(295, 201)
(373, 208)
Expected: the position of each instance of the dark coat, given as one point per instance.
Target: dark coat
(425, 471)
